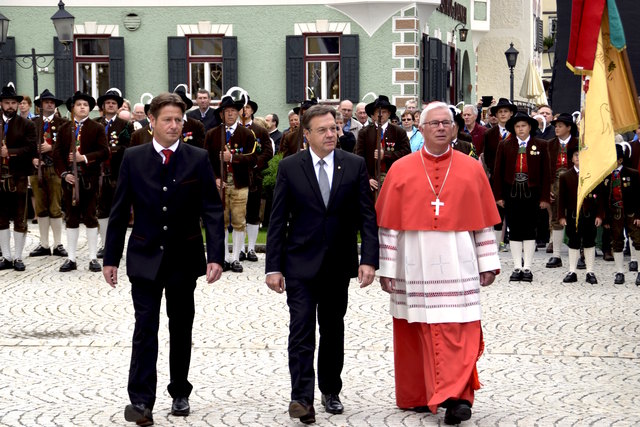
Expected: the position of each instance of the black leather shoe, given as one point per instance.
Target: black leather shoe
(68, 266)
(5, 265)
(40, 251)
(236, 267)
(516, 276)
(180, 407)
(60, 251)
(607, 256)
(527, 276)
(302, 411)
(571, 277)
(457, 412)
(18, 265)
(591, 278)
(638, 280)
(633, 266)
(94, 266)
(251, 256)
(332, 403)
(243, 256)
(554, 262)
(420, 409)
(226, 266)
(581, 264)
(138, 413)
(100, 253)
(619, 280)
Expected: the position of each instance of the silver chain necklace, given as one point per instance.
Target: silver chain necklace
(437, 203)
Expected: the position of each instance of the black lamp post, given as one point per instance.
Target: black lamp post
(512, 58)
(62, 21)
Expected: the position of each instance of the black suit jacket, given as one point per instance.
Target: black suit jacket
(210, 120)
(186, 188)
(305, 236)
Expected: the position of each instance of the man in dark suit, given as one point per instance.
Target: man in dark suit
(394, 145)
(46, 183)
(85, 140)
(170, 186)
(204, 113)
(118, 132)
(273, 121)
(313, 244)
(192, 129)
(17, 147)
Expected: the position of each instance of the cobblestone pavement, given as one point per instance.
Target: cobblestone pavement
(555, 354)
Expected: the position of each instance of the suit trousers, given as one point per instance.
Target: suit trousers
(254, 200)
(147, 296)
(327, 296)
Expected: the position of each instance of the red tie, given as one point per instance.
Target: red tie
(167, 155)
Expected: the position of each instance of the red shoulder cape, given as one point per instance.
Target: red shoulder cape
(404, 202)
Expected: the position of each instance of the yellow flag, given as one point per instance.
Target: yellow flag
(597, 140)
(623, 96)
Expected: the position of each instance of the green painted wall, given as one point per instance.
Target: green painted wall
(261, 46)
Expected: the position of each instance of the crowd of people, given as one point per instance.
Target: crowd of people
(432, 194)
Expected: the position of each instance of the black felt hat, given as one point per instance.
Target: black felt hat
(9, 92)
(381, 102)
(522, 117)
(503, 103)
(80, 96)
(253, 105)
(46, 94)
(180, 91)
(228, 102)
(113, 93)
(567, 119)
(305, 105)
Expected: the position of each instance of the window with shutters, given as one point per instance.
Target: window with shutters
(553, 26)
(91, 63)
(322, 66)
(205, 64)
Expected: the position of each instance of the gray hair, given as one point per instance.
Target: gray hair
(472, 107)
(434, 106)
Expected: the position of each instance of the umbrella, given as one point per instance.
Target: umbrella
(532, 87)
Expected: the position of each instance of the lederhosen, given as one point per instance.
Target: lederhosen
(48, 193)
(584, 235)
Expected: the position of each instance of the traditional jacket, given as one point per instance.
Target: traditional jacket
(21, 144)
(243, 147)
(568, 198)
(93, 145)
(118, 139)
(50, 135)
(395, 144)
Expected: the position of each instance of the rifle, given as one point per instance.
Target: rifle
(378, 147)
(40, 156)
(223, 168)
(74, 164)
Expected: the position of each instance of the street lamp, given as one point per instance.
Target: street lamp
(512, 58)
(463, 32)
(62, 21)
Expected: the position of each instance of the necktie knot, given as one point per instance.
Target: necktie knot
(167, 155)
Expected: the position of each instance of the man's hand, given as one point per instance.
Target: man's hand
(379, 153)
(636, 222)
(214, 272)
(563, 222)
(70, 178)
(226, 156)
(500, 203)
(275, 282)
(373, 183)
(387, 284)
(552, 197)
(110, 275)
(45, 147)
(544, 205)
(487, 278)
(366, 274)
(598, 222)
(4, 152)
(35, 162)
(79, 157)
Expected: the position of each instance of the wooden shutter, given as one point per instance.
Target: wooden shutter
(424, 67)
(7, 63)
(229, 63)
(295, 69)
(349, 68)
(116, 63)
(177, 52)
(63, 57)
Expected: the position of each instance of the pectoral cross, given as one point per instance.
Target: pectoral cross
(437, 204)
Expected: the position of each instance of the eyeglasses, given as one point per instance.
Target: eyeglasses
(323, 131)
(407, 120)
(434, 124)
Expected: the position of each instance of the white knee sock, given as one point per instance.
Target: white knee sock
(589, 258)
(72, 242)
(618, 259)
(238, 243)
(529, 249)
(43, 226)
(5, 244)
(556, 238)
(227, 256)
(252, 233)
(574, 254)
(102, 227)
(516, 254)
(634, 251)
(19, 239)
(92, 242)
(56, 229)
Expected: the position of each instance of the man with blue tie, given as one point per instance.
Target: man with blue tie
(321, 200)
(233, 153)
(118, 132)
(171, 187)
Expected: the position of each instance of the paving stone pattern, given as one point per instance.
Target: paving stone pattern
(555, 354)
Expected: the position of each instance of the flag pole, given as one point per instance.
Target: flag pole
(581, 129)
